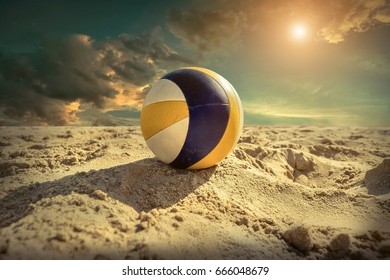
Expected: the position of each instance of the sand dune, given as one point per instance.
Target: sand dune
(283, 193)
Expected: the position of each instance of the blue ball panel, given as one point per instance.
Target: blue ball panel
(206, 128)
(198, 88)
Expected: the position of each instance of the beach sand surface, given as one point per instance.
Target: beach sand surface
(283, 193)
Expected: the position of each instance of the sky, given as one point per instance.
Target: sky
(294, 62)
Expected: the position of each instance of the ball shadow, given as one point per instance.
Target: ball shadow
(143, 185)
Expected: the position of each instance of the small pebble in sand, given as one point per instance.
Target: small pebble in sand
(99, 194)
(60, 237)
(340, 243)
(299, 238)
(179, 218)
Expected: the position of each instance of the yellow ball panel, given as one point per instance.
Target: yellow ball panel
(157, 116)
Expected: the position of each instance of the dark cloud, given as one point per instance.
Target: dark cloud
(205, 29)
(44, 84)
(137, 59)
(40, 84)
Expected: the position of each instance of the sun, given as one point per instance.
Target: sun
(299, 32)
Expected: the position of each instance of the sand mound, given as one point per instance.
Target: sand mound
(377, 180)
(284, 193)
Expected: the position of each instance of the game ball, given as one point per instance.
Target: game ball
(192, 118)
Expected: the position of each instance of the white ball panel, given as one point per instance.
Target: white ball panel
(167, 144)
(169, 89)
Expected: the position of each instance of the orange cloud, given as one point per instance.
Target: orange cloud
(129, 97)
(351, 16)
(70, 112)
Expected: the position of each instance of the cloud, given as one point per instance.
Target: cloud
(45, 86)
(353, 16)
(206, 29)
(138, 58)
(331, 20)
(383, 14)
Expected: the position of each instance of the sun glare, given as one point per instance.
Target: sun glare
(299, 32)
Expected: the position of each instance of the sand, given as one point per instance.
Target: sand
(283, 193)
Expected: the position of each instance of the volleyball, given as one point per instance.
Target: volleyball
(192, 118)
